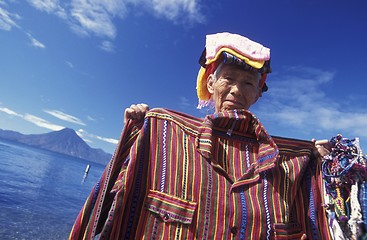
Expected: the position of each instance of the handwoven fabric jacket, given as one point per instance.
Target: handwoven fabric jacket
(222, 177)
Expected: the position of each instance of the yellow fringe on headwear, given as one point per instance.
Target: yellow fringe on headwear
(201, 88)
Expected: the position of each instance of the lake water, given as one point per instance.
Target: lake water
(41, 192)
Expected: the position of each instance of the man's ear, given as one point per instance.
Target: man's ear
(257, 97)
(260, 93)
(210, 82)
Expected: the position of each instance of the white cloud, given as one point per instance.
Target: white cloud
(342, 120)
(90, 118)
(85, 135)
(184, 102)
(65, 117)
(33, 119)
(9, 112)
(81, 133)
(298, 100)
(7, 21)
(69, 64)
(175, 10)
(35, 42)
(107, 46)
(88, 17)
(42, 122)
(95, 17)
(49, 6)
(109, 140)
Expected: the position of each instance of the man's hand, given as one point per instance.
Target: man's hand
(136, 112)
(323, 147)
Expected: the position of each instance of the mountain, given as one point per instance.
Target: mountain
(65, 141)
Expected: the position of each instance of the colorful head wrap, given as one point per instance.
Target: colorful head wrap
(230, 49)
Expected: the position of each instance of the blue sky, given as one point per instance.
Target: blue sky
(80, 63)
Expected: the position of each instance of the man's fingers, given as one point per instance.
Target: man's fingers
(131, 113)
(322, 142)
(323, 147)
(322, 150)
(136, 112)
(141, 108)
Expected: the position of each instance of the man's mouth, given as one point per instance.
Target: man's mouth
(234, 104)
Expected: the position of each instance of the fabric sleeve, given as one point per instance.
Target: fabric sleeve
(94, 212)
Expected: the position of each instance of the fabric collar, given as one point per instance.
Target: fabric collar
(238, 123)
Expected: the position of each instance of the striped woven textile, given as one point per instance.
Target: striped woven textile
(221, 177)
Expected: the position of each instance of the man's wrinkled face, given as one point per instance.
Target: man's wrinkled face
(234, 88)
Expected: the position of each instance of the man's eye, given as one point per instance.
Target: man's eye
(224, 80)
(249, 83)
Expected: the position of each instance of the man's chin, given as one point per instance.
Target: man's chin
(231, 107)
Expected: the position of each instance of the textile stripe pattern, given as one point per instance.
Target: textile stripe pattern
(181, 177)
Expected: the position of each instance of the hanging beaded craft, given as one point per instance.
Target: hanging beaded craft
(343, 167)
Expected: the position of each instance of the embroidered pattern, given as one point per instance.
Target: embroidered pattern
(244, 215)
(184, 183)
(248, 164)
(164, 170)
(164, 157)
(208, 201)
(268, 223)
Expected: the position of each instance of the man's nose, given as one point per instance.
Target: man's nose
(236, 89)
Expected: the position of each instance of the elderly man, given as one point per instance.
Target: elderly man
(174, 176)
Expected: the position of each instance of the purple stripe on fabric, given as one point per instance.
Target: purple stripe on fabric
(266, 157)
(313, 210)
(208, 202)
(137, 188)
(244, 215)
